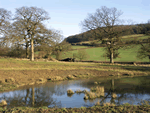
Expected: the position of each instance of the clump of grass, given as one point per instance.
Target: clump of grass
(96, 92)
(85, 91)
(100, 94)
(126, 104)
(91, 95)
(55, 78)
(86, 97)
(40, 80)
(70, 91)
(108, 104)
(97, 89)
(3, 103)
(95, 83)
(114, 95)
(70, 77)
(79, 91)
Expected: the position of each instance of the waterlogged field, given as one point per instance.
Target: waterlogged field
(21, 79)
(54, 96)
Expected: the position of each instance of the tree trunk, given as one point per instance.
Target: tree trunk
(26, 95)
(33, 96)
(58, 55)
(112, 85)
(111, 57)
(32, 50)
(27, 49)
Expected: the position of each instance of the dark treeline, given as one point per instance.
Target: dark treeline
(90, 36)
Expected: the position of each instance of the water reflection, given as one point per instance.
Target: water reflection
(117, 91)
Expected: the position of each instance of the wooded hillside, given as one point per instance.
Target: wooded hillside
(90, 36)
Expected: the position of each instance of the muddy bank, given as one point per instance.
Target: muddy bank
(14, 79)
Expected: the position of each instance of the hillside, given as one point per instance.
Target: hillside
(96, 53)
(128, 39)
(89, 36)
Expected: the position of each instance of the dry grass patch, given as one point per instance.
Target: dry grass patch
(97, 89)
(70, 77)
(114, 95)
(3, 103)
(70, 91)
(40, 80)
(97, 103)
(78, 91)
(86, 97)
(108, 104)
(55, 78)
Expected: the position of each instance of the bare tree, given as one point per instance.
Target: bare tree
(18, 36)
(81, 54)
(30, 18)
(5, 17)
(105, 24)
(61, 47)
(47, 40)
(144, 51)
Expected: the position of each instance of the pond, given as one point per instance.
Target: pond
(54, 94)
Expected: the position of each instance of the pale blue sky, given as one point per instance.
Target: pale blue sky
(67, 14)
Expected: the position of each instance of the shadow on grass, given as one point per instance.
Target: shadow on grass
(136, 68)
(131, 68)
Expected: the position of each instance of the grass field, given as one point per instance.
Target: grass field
(16, 73)
(96, 54)
(79, 47)
(124, 38)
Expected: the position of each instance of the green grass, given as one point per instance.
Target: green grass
(78, 47)
(97, 52)
(134, 37)
(124, 38)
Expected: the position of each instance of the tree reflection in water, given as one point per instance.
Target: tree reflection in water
(36, 97)
(127, 90)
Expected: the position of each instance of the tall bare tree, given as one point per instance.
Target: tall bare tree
(19, 36)
(105, 24)
(31, 18)
(47, 39)
(5, 17)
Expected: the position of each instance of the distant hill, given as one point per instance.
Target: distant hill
(89, 35)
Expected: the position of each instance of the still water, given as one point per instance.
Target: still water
(128, 90)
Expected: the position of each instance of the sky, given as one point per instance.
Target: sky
(66, 15)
